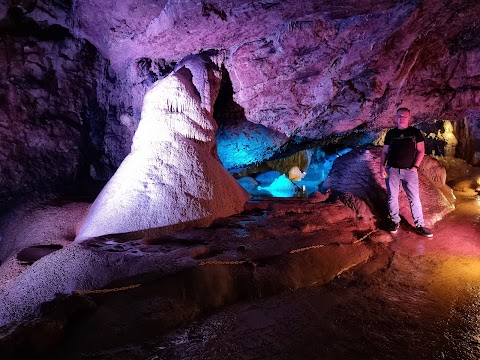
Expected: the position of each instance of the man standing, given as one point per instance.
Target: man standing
(402, 153)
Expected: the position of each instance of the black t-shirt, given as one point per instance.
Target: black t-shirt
(402, 146)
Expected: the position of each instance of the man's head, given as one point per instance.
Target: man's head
(403, 118)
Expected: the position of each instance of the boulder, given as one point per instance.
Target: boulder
(248, 183)
(281, 187)
(358, 173)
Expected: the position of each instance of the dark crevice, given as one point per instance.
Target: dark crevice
(226, 110)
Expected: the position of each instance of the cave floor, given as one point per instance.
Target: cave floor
(425, 304)
(416, 298)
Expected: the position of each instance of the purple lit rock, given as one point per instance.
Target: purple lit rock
(312, 68)
(74, 75)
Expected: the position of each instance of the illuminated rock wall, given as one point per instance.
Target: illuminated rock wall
(74, 75)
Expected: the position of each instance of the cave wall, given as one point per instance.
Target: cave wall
(75, 74)
(306, 70)
(468, 130)
(59, 114)
(325, 76)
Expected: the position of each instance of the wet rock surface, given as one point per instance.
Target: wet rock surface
(417, 298)
(286, 279)
(277, 246)
(249, 256)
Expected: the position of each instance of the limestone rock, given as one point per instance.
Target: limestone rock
(267, 177)
(457, 169)
(248, 183)
(317, 196)
(469, 132)
(310, 68)
(75, 75)
(242, 144)
(58, 111)
(357, 172)
(172, 177)
(288, 235)
(281, 187)
(381, 237)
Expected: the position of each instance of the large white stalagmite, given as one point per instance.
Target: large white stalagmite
(172, 177)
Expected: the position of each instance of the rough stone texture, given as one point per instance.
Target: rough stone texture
(243, 144)
(469, 134)
(270, 245)
(56, 108)
(43, 222)
(172, 177)
(457, 169)
(309, 69)
(414, 283)
(357, 172)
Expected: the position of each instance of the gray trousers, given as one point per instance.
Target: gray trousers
(409, 180)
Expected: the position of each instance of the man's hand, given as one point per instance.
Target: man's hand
(383, 171)
(383, 161)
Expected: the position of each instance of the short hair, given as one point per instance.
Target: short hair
(403, 109)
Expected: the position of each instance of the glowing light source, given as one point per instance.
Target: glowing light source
(295, 174)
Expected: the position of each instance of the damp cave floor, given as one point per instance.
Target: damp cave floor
(419, 298)
(424, 305)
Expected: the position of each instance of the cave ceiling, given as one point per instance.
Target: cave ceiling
(311, 68)
(307, 68)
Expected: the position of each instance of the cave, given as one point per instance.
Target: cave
(202, 179)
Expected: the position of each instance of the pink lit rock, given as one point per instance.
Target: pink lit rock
(310, 69)
(172, 177)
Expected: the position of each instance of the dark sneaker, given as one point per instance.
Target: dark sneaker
(393, 227)
(422, 230)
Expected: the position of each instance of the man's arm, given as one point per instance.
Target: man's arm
(420, 154)
(383, 160)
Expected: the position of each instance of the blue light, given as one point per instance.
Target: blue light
(244, 144)
(270, 183)
(281, 187)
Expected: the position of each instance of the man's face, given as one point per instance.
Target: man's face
(402, 118)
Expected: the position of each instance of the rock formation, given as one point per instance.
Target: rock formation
(259, 253)
(296, 75)
(172, 177)
(75, 75)
(357, 172)
(469, 133)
